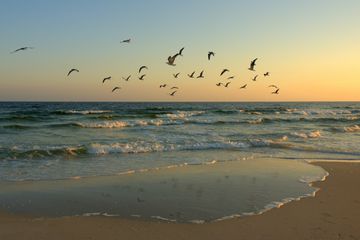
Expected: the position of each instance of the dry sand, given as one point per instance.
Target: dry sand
(333, 214)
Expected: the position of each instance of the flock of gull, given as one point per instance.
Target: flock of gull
(171, 62)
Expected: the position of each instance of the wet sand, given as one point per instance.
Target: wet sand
(333, 214)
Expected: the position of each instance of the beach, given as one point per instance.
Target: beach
(333, 213)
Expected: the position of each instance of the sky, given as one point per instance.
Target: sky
(310, 47)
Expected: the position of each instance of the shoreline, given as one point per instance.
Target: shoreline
(332, 214)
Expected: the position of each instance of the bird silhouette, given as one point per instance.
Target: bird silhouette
(126, 41)
(142, 77)
(266, 74)
(191, 75)
(224, 71)
(243, 87)
(227, 84)
(276, 91)
(253, 64)
(201, 75)
(173, 93)
(72, 70)
(219, 84)
(174, 88)
(231, 77)
(105, 79)
(115, 88)
(171, 60)
(127, 79)
(274, 86)
(181, 51)
(254, 79)
(210, 54)
(163, 85)
(176, 75)
(142, 67)
(21, 49)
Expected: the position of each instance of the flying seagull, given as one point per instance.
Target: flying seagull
(253, 64)
(22, 49)
(105, 79)
(115, 88)
(127, 79)
(171, 60)
(201, 74)
(141, 68)
(162, 86)
(173, 93)
(210, 54)
(274, 86)
(142, 77)
(254, 79)
(174, 88)
(126, 41)
(181, 50)
(176, 75)
(276, 92)
(266, 74)
(72, 70)
(219, 84)
(243, 87)
(227, 84)
(224, 71)
(232, 77)
(191, 75)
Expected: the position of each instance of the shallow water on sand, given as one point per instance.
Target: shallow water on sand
(192, 193)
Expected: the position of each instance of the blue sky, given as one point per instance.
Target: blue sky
(286, 35)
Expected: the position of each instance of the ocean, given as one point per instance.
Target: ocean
(46, 143)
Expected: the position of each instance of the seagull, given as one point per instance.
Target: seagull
(227, 84)
(219, 84)
(142, 77)
(127, 79)
(266, 74)
(276, 92)
(142, 67)
(243, 87)
(254, 79)
(201, 74)
(173, 93)
(171, 60)
(72, 70)
(105, 79)
(224, 71)
(115, 88)
(274, 86)
(22, 49)
(191, 75)
(232, 77)
(176, 75)
(253, 64)
(210, 54)
(162, 86)
(181, 50)
(126, 41)
(174, 88)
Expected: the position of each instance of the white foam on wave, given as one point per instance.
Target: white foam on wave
(257, 121)
(163, 219)
(105, 124)
(314, 134)
(355, 128)
(87, 112)
(135, 147)
(182, 114)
